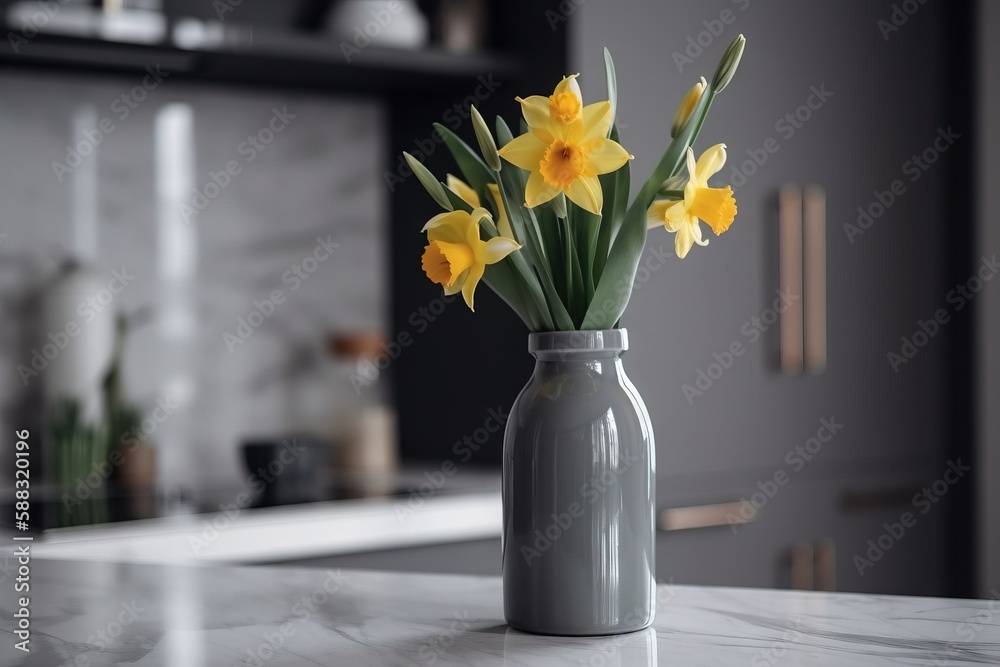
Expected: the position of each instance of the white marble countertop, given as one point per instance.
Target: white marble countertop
(90, 613)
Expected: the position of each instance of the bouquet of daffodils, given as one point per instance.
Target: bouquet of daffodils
(543, 218)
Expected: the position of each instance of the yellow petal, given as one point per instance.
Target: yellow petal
(605, 155)
(586, 193)
(683, 242)
(656, 216)
(596, 120)
(569, 84)
(503, 224)
(687, 236)
(687, 106)
(692, 169)
(566, 102)
(471, 281)
(496, 249)
(463, 190)
(536, 110)
(537, 191)
(525, 151)
(676, 216)
(458, 284)
(710, 162)
(716, 206)
(449, 227)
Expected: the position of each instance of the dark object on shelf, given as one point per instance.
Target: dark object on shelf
(291, 470)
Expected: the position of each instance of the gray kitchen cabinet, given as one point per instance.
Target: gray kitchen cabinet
(866, 103)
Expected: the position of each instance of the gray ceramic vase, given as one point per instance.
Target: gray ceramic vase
(578, 492)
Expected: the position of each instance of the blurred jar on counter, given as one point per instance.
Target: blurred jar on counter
(365, 453)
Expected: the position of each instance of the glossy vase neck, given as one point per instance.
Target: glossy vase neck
(580, 346)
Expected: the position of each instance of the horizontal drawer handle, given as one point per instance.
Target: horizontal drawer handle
(701, 516)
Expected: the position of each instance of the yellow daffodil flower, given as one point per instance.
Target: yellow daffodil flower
(566, 148)
(470, 197)
(503, 224)
(716, 206)
(456, 257)
(687, 106)
(463, 190)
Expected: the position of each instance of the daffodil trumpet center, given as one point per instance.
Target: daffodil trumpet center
(444, 262)
(566, 107)
(562, 164)
(716, 206)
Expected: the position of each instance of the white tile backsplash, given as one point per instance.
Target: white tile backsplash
(319, 178)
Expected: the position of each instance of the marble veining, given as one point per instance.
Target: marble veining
(89, 613)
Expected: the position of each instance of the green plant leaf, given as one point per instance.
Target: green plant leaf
(427, 179)
(615, 287)
(615, 187)
(609, 72)
(585, 227)
(475, 171)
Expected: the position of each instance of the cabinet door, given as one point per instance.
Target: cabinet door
(781, 521)
(825, 95)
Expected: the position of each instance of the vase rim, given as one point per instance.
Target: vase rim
(584, 340)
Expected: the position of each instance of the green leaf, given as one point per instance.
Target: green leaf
(487, 146)
(615, 287)
(585, 227)
(609, 72)
(426, 178)
(615, 187)
(576, 294)
(475, 171)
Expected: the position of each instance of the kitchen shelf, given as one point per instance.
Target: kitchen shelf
(270, 59)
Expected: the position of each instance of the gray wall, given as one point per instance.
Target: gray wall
(989, 326)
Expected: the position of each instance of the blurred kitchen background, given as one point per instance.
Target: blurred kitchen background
(214, 325)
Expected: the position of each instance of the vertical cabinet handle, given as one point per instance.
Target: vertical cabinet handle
(802, 278)
(814, 285)
(814, 565)
(790, 277)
